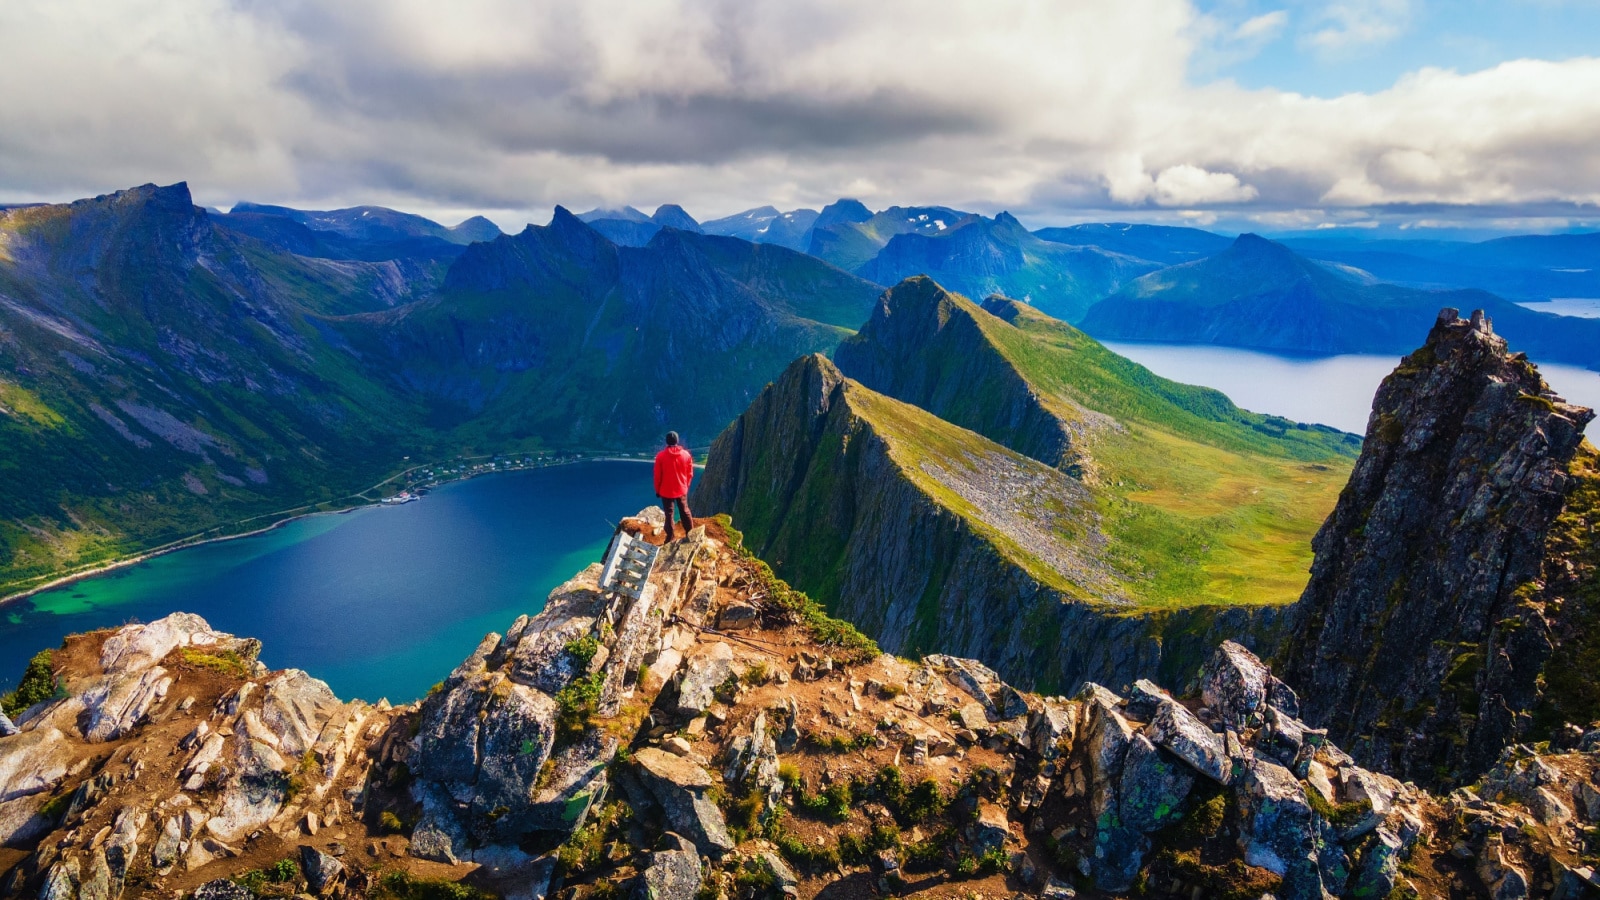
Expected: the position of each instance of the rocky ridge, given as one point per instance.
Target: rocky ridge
(979, 391)
(1439, 542)
(930, 537)
(170, 750)
(720, 737)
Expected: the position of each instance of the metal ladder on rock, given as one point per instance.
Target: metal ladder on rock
(628, 564)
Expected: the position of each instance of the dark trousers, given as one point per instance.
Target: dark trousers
(683, 514)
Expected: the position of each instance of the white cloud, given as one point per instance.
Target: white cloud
(1187, 185)
(502, 105)
(1347, 25)
(1263, 28)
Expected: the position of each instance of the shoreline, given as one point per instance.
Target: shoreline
(196, 540)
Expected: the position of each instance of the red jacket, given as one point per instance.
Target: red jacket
(674, 471)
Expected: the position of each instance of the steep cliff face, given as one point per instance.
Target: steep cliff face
(929, 348)
(930, 537)
(1424, 635)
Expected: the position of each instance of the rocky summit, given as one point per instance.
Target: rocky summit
(721, 737)
(1454, 582)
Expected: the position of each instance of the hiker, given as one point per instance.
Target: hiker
(674, 471)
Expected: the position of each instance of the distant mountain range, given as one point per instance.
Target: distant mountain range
(1522, 267)
(1163, 244)
(1262, 295)
(164, 369)
(1066, 270)
(979, 257)
(559, 333)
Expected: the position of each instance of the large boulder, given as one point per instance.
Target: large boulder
(134, 648)
(118, 703)
(539, 656)
(1175, 728)
(32, 762)
(484, 743)
(295, 707)
(1234, 684)
(674, 872)
(1284, 835)
(325, 875)
(1107, 736)
(703, 672)
(680, 786)
(1153, 787)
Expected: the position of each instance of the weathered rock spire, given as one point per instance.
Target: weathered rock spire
(1409, 641)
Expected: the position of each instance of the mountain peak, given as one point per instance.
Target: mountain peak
(625, 213)
(1256, 245)
(671, 215)
(477, 229)
(171, 196)
(563, 216)
(844, 209)
(1439, 540)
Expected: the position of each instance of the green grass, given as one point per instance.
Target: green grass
(38, 684)
(583, 650)
(400, 885)
(849, 644)
(228, 662)
(1211, 500)
(1572, 694)
(1200, 502)
(576, 704)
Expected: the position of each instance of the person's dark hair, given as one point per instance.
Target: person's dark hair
(672, 439)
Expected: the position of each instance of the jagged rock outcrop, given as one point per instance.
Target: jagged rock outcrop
(169, 749)
(1424, 634)
(503, 757)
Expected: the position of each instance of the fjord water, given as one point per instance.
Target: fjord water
(1327, 390)
(378, 602)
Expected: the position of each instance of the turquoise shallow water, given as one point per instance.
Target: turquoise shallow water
(378, 602)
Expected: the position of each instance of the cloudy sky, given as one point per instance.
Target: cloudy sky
(1278, 115)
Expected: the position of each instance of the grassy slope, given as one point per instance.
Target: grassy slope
(1202, 502)
(1216, 504)
(916, 436)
